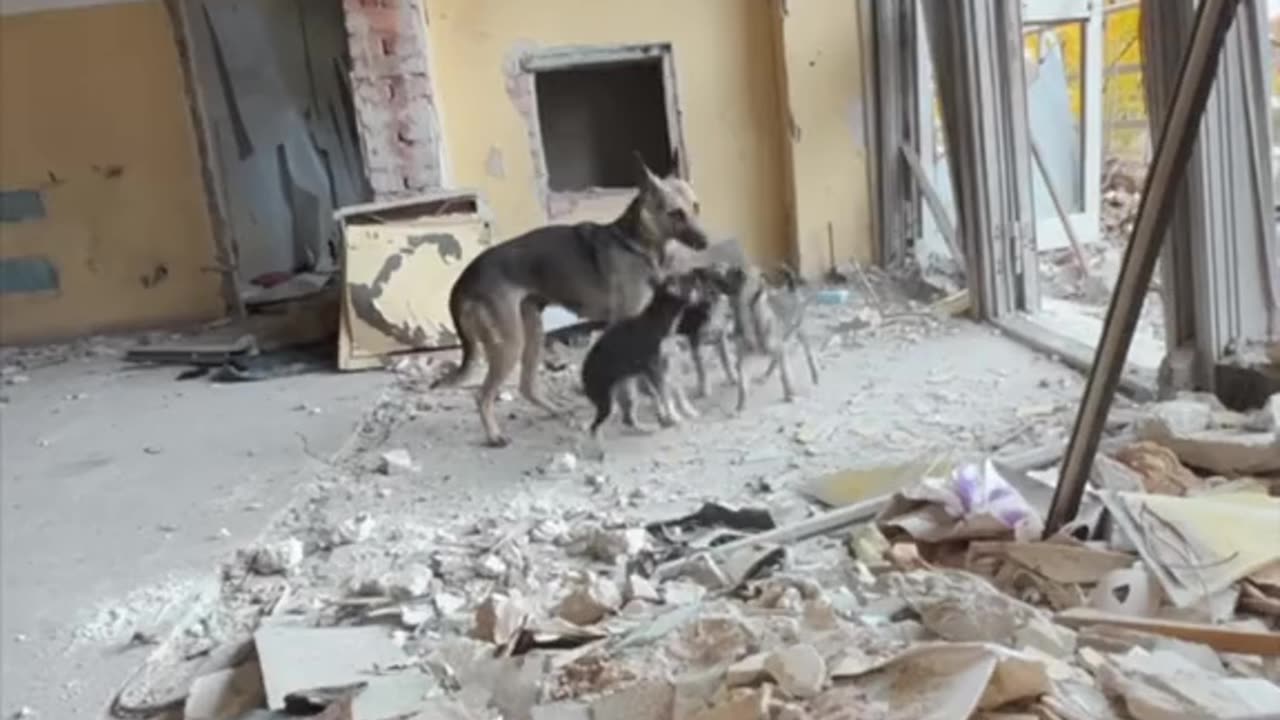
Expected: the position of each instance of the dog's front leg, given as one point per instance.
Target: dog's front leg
(656, 379)
(722, 347)
(741, 376)
(699, 369)
(784, 369)
(682, 403)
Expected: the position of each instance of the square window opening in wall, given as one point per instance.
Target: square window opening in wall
(595, 108)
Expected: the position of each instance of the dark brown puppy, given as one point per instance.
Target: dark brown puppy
(600, 272)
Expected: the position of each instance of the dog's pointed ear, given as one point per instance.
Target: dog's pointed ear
(644, 176)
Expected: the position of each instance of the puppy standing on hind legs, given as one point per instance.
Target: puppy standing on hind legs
(632, 348)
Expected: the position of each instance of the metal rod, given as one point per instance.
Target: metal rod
(1061, 207)
(1168, 167)
(937, 208)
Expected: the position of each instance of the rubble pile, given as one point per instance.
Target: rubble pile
(1121, 196)
(922, 595)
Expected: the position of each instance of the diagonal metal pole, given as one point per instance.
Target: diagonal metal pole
(1168, 166)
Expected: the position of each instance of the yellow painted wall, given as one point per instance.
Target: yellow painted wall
(822, 58)
(726, 73)
(102, 86)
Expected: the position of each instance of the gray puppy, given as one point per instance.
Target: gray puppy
(765, 320)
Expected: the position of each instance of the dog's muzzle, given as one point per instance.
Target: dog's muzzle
(693, 237)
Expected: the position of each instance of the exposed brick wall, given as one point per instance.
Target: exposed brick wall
(391, 90)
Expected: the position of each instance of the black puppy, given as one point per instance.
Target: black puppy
(633, 348)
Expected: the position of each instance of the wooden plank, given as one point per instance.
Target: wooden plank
(1219, 637)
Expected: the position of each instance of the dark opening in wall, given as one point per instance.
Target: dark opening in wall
(593, 117)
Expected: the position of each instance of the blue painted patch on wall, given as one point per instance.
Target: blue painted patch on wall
(21, 205)
(32, 274)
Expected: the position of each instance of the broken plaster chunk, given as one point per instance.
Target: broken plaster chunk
(561, 464)
(499, 618)
(278, 558)
(550, 530)
(412, 581)
(353, 530)
(397, 461)
(799, 670)
(491, 567)
(638, 587)
(747, 671)
(590, 602)
(448, 604)
(681, 592)
(704, 570)
(609, 546)
(1046, 636)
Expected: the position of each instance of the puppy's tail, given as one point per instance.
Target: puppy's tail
(469, 344)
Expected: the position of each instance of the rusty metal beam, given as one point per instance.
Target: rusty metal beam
(1199, 65)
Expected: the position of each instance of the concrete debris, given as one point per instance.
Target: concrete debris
(1206, 436)
(799, 670)
(278, 558)
(608, 546)
(295, 659)
(946, 605)
(562, 464)
(225, 694)
(354, 530)
(639, 588)
(499, 618)
(591, 600)
(405, 583)
(398, 461)
(1165, 685)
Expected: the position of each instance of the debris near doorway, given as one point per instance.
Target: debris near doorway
(276, 339)
(928, 594)
(1121, 194)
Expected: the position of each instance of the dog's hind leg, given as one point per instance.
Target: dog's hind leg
(531, 358)
(464, 324)
(808, 356)
(773, 365)
(502, 338)
(784, 369)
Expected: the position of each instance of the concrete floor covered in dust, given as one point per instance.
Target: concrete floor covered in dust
(122, 490)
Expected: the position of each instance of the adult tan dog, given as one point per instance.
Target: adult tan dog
(602, 272)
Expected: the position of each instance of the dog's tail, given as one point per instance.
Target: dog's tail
(469, 344)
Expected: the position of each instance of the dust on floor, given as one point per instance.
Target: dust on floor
(898, 383)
